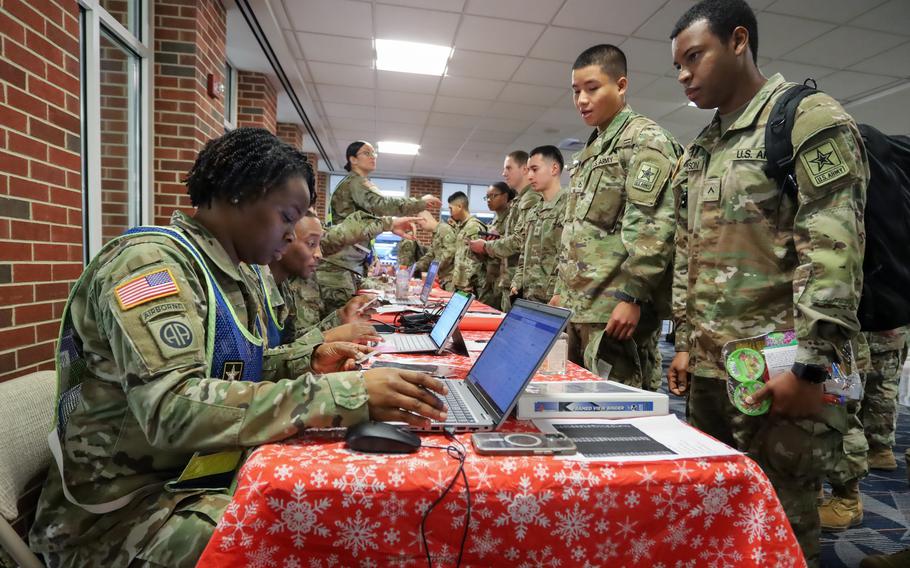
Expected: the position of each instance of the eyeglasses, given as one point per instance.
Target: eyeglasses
(489, 197)
(367, 154)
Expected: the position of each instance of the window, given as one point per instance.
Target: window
(230, 96)
(116, 102)
(477, 201)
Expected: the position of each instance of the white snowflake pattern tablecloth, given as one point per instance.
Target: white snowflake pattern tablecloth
(312, 503)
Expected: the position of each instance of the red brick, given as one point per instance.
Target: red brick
(34, 313)
(29, 231)
(74, 181)
(28, 146)
(11, 74)
(26, 102)
(47, 173)
(27, 272)
(22, 12)
(67, 271)
(13, 294)
(4, 228)
(51, 252)
(67, 42)
(17, 336)
(35, 354)
(64, 159)
(51, 291)
(39, 44)
(11, 164)
(12, 118)
(8, 366)
(49, 331)
(11, 28)
(17, 54)
(6, 317)
(50, 213)
(47, 132)
(21, 187)
(61, 234)
(65, 120)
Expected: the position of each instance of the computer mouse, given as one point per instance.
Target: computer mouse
(381, 438)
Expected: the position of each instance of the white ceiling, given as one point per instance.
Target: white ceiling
(507, 84)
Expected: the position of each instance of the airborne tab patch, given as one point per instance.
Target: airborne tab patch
(823, 163)
(646, 177)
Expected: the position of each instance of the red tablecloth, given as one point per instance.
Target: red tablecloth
(312, 503)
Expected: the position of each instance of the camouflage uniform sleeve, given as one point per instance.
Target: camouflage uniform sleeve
(832, 172)
(358, 227)
(377, 204)
(423, 263)
(648, 222)
(514, 242)
(468, 266)
(177, 405)
(680, 187)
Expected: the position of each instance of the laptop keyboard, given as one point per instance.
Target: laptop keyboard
(412, 342)
(458, 410)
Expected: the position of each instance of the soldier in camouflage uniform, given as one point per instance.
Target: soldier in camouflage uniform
(409, 252)
(869, 440)
(535, 278)
(750, 259)
(468, 274)
(340, 274)
(442, 250)
(508, 248)
(617, 243)
(149, 388)
(500, 198)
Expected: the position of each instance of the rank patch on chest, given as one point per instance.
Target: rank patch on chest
(646, 177)
(823, 163)
(711, 191)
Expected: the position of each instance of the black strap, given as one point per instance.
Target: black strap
(778, 135)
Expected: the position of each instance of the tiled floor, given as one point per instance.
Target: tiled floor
(886, 503)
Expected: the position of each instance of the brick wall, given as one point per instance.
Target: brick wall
(115, 106)
(418, 187)
(189, 44)
(40, 179)
(257, 101)
(293, 134)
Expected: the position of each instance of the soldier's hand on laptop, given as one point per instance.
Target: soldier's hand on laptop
(337, 356)
(395, 395)
(356, 332)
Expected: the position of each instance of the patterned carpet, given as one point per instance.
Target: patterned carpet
(886, 501)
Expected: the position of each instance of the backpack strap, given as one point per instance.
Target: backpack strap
(778, 136)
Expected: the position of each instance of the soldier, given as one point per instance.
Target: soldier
(618, 237)
(500, 198)
(340, 274)
(409, 252)
(869, 441)
(442, 249)
(508, 248)
(467, 274)
(154, 331)
(535, 278)
(751, 259)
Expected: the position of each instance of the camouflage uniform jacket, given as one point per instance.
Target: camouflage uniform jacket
(748, 258)
(409, 252)
(304, 306)
(494, 266)
(359, 227)
(509, 247)
(442, 249)
(357, 193)
(535, 276)
(148, 406)
(618, 234)
(468, 273)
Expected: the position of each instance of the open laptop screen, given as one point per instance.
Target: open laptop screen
(515, 351)
(428, 283)
(449, 318)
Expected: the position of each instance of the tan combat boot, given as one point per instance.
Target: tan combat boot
(897, 560)
(840, 513)
(881, 457)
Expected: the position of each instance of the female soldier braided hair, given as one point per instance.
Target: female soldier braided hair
(243, 165)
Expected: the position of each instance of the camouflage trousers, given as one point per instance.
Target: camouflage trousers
(491, 295)
(792, 453)
(635, 362)
(336, 285)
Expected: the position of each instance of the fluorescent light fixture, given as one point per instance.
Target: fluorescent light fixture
(406, 148)
(412, 57)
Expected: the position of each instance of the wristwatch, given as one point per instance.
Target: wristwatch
(815, 374)
(623, 297)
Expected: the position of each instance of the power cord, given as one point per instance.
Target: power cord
(459, 453)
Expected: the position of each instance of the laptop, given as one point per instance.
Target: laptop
(434, 341)
(424, 293)
(484, 400)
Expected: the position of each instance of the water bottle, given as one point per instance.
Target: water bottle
(402, 280)
(555, 363)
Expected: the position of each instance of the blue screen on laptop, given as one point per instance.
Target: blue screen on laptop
(448, 318)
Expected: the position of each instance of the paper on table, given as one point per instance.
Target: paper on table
(399, 309)
(473, 345)
(654, 438)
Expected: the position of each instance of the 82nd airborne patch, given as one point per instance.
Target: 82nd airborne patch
(823, 163)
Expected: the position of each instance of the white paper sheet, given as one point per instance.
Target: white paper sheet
(679, 440)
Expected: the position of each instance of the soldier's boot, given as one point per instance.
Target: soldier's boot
(881, 457)
(844, 509)
(897, 560)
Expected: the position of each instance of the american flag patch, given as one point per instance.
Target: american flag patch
(145, 288)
